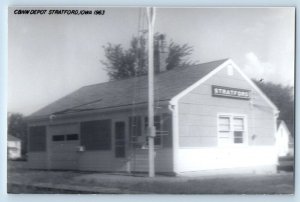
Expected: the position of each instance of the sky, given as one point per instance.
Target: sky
(50, 56)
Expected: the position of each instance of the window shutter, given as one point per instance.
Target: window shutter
(37, 138)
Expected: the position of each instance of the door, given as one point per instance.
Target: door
(64, 142)
(64, 151)
(120, 140)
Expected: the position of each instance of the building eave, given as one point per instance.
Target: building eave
(92, 112)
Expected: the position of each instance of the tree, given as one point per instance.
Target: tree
(123, 63)
(17, 127)
(283, 98)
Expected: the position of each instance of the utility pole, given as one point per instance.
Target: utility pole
(151, 128)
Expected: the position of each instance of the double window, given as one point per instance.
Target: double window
(68, 137)
(231, 129)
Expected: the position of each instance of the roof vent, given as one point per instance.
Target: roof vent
(229, 70)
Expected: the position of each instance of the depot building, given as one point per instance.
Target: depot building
(209, 117)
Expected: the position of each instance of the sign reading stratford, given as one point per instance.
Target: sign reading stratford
(221, 91)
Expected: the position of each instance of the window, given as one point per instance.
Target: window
(229, 70)
(96, 135)
(224, 124)
(231, 129)
(67, 137)
(58, 138)
(37, 138)
(238, 130)
(135, 129)
(72, 137)
(135, 126)
(157, 124)
(120, 139)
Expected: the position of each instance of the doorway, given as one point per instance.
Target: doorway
(120, 140)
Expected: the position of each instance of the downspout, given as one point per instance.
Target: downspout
(276, 115)
(28, 144)
(48, 148)
(173, 107)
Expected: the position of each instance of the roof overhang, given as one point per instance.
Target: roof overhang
(94, 111)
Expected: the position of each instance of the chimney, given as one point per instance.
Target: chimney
(160, 53)
(163, 54)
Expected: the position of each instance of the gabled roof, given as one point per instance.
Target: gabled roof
(128, 91)
(213, 72)
(281, 123)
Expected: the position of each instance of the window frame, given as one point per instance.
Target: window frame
(157, 134)
(66, 137)
(135, 131)
(231, 131)
(116, 139)
(58, 138)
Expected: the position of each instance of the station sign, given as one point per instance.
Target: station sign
(222, 91)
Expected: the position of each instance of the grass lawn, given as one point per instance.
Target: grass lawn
(240, 184)
(281, 183)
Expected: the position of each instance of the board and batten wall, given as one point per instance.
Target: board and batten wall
(198, 131)
(65, 155)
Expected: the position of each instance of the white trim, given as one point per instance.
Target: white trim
(231, 118)
(275, 127)
(215, 158)
(254, 86)
(195, 85)
(175, 135)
